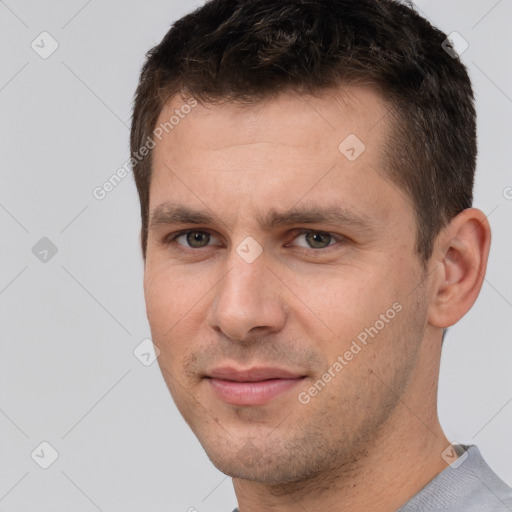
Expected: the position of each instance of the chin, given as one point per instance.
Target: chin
(269, 466)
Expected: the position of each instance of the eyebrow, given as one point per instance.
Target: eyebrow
(169, 213)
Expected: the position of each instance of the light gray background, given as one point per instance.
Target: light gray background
(69, 326)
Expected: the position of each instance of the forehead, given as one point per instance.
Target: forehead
(290, 120)
(326, 147)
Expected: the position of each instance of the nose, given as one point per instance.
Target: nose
(248, 300)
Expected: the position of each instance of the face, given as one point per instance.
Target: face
(281, 280)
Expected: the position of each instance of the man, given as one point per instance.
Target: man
(305, 172)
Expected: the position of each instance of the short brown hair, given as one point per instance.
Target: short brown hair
(246, 50)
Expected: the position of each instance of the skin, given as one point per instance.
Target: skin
(371, 438)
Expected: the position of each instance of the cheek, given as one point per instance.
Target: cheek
(343, 303)
(164, 300)
(173, 309)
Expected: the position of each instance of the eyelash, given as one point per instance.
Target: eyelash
(171, 239)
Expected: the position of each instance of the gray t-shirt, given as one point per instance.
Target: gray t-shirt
(470, 486)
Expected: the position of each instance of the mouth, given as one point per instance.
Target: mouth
(253, 386)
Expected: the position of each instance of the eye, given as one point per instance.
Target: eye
(307, 239)
(316, 239)
(192, 239)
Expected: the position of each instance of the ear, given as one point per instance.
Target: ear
(459, 261)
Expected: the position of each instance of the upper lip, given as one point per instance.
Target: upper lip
(252, 374)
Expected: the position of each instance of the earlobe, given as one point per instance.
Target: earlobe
(462, 250)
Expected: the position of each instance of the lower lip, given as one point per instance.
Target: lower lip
(251, 393)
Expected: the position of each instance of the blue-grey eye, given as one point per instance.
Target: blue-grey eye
(316, 239)
(198, 239)
(195, 239)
